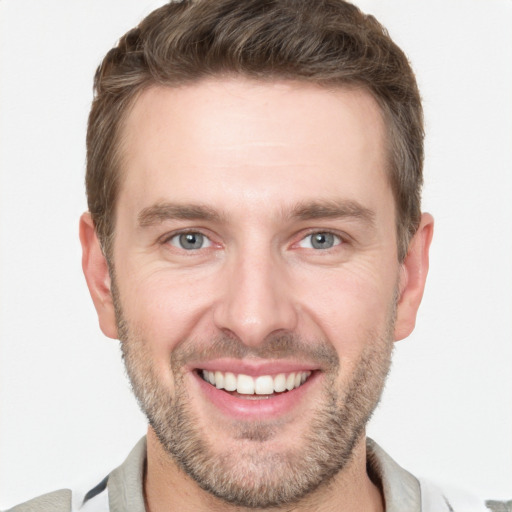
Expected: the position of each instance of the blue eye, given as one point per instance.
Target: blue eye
(321, 240)
(190, 241)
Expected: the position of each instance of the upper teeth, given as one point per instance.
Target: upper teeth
(261, 385)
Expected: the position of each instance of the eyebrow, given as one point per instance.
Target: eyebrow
(332, 209)
(304, 211)
(161, 212)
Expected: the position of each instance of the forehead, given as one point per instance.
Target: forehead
(237, 140)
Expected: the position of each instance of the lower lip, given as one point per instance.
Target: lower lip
(255, 408)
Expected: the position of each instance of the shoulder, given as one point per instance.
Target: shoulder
(124, 486)
(403, 491)
(499, 506)
(56, 501)
(435, 497)
(88, 499)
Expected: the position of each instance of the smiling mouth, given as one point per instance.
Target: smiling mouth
(262, 386)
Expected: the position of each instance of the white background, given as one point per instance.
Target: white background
(66, 408)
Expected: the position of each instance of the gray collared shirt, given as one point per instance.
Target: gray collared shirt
(122, 490)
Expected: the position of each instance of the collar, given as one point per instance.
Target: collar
(401, 489)
(126, 483)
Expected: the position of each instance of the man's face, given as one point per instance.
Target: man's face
(255, 250)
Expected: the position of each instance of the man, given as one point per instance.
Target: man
(255, 241)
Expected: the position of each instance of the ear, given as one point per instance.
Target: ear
(413, 275)
(95, 267)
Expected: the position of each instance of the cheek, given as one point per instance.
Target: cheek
(350, 306)
(165, 307)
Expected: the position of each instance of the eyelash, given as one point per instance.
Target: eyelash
(338, 239)
(175, 235)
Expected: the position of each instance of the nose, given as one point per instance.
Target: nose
(256, 299)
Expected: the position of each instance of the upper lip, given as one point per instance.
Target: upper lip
(253, 368)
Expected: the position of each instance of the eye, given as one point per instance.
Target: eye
(190, 241)
(320, 240)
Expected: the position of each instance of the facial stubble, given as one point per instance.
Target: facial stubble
(254, 477)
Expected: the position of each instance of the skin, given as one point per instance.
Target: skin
(242, 149)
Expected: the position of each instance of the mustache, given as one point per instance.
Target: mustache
(275, 346)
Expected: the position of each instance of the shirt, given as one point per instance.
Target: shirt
(122, 490)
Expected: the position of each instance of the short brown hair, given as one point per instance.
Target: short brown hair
(327, 42)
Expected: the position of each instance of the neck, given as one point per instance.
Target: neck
(168, 489)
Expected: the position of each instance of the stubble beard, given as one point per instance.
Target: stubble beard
(254, 477)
